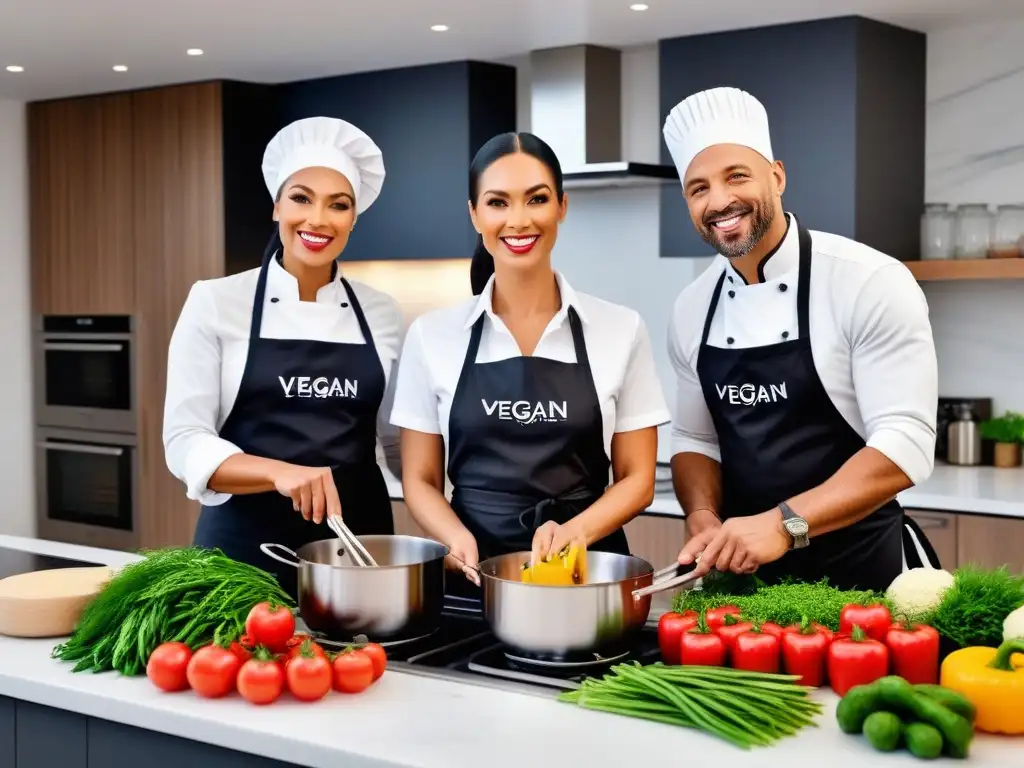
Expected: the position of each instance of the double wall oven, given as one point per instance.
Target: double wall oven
(87, 465)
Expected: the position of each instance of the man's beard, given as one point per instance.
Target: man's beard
(762, 214)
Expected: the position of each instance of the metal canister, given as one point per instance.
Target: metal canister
(964, 438)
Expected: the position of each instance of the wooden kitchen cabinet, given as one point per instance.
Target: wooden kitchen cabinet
(941, 530)
(967, 539)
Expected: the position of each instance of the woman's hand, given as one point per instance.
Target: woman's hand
(463, 556)
(551, 538)
(311, 490)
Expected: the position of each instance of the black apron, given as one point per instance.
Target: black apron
(781, 435)
(311, 403)
(526, 445)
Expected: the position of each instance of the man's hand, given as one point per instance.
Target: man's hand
(740, 544)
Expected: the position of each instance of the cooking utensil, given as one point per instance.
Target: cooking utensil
(48, 603)
(356, 549)
(399, 599)
(564, 622)
(661, 586)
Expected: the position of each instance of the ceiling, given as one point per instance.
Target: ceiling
(69, 47)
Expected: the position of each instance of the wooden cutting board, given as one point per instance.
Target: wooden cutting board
(48, 603)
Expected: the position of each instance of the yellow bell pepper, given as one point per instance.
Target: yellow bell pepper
(565, 569)
(992, 681)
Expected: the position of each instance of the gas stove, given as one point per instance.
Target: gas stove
(463, 649)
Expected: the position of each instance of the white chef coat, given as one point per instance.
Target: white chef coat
(618, 345)
(870, 335)
(210, 345)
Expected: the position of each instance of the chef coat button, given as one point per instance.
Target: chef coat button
(730, 278)
(344, 304)
(785, 334)
(783, 287)
(732, 294)
(730, 340)
(273, 300)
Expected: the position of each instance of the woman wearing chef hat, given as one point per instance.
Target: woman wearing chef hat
(806, 369)
(540, 396)
(276, 375)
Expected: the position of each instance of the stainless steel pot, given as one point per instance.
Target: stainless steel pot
(399, 599)
(549, 623)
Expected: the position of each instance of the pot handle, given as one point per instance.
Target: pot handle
(268, 550)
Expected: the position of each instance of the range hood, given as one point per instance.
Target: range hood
(576, 107)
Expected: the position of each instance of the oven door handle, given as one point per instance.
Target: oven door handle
(70, 346)
(101, 450)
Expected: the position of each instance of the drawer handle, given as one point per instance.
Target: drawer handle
(932, 522)
(70, 346)
(99, 450)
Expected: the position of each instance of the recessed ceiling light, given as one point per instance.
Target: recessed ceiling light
(639, 7)
(15, 68)
(120, 68)
(439, 28)
(194, 51)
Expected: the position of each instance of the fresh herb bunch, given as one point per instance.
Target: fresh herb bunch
(973, 609)
(190, 595)
(744, 708)
(784, 603)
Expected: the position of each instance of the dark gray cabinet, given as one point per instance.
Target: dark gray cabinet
(35, 736)
(846, 104)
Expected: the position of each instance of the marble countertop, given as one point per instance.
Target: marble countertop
(414, 721)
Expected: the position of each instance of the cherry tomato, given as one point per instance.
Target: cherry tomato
(272, 626)
(261, 679)
(296, 649)
(309, 675)
(378, 656)
(212, 671)
(353, 671)
(167, 667)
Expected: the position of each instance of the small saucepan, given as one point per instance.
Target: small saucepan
(400, 598)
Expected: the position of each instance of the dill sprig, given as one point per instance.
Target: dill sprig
(974, 607)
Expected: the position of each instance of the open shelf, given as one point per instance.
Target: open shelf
(968, 269)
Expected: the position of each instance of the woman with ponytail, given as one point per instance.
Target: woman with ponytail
(539, 403)
(276, 375)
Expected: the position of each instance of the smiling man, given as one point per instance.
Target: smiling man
(806, 373)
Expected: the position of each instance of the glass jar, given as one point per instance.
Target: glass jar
(937, 232)
(973, 231)
(1007, 232)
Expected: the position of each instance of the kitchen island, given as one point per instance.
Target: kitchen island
(50, 716)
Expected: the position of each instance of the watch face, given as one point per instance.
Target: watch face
(796, 526)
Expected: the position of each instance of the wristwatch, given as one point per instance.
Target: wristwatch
(795, 525)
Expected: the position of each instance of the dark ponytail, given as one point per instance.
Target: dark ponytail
(481, 267)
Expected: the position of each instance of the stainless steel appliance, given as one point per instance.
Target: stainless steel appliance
(87, 487)
(84, 371)
(981, 408)
(964, 438)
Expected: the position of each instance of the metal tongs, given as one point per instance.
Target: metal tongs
(678, 581)
(355, 547)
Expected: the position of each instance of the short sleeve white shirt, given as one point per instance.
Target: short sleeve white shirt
(618, 345)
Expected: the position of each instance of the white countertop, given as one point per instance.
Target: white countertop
(420, 722)
(969, 490)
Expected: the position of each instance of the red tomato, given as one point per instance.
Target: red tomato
(167, 667)
(771, 628)
(272, 626)
(378, 656)
(671, 627)
(730, 631)
(716, 616)
(261, 679)
(875, 620)
(212, 671)
(756, 652)
(914, 652)
(310, 676)
(804, 653)
(353, 671)
(296, 649)
(702, 648)
(242, 648)
(821, 629)
(856, 660)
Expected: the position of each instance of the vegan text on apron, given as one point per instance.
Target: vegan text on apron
(781, 435)
(526, 445)
(311, 403)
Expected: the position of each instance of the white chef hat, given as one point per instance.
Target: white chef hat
(329, 143)
(716, 116)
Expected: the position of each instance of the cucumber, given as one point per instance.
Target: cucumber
(923, 740)
(949, 699)
(883, 731)
(896, 693)
(853, 709)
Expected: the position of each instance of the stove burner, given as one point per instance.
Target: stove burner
(596, 662)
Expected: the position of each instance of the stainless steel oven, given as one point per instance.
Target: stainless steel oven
(87, 486)
(84, 372)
